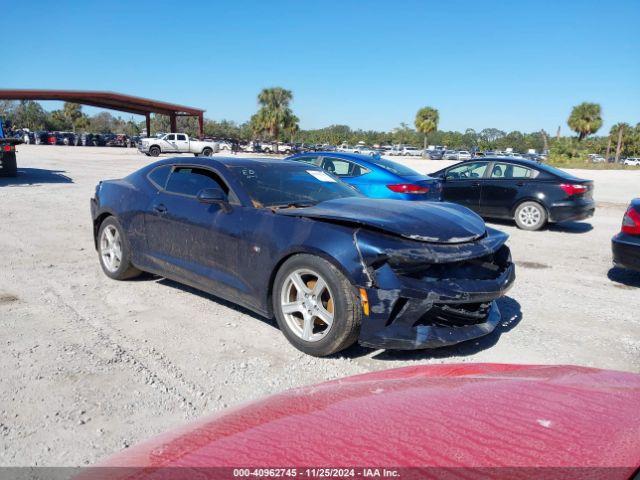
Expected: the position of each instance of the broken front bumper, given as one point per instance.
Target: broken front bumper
(423, 304)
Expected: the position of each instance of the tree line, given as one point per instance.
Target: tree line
(275, 120)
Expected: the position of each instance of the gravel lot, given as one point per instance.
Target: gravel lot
(91, 366)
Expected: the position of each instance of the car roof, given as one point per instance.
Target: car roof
(344, 155)
(224, 161)
(517, 160)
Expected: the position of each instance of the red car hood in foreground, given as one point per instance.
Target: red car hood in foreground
(483, 415)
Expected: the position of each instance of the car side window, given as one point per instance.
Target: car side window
(159, 175)
(182, 137)
(466, 171)
(313, 160)
(343, 168)
(336, 166)
(170, 137)
(511, 171)
(190, 180)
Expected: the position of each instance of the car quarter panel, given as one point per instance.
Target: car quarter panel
(126, 200)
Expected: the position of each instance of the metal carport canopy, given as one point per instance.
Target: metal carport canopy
(113, 101)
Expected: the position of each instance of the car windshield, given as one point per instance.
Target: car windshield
(394, 167)
(286, 185)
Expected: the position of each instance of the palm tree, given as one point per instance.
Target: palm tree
(274, 111)
(585, 119)
(426, 122)
(620, 130)
(292, 126)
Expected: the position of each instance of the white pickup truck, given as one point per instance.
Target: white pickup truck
(176, 143)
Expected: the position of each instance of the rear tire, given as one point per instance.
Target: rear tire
(303, 306)
(154, 151)
(207, 152)
(114, 251)
(530, 216)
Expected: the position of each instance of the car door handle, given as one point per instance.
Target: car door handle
(475, 184)
(160, 208)
(520, 184)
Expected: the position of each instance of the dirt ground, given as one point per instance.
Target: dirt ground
(91, 365)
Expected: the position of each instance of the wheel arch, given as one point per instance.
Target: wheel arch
(303, 251)
(528, 199)
(96, 225)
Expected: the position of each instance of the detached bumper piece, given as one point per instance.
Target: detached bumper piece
(437, 304)
(407, 334)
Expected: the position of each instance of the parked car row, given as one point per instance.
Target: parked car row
(86, 139)
(630, 161)
(531, 193)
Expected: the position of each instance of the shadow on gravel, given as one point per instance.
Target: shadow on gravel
(35, 176)
(624, 277)
(570, 227)
(511, 316)
(185, 288)
(564, 227)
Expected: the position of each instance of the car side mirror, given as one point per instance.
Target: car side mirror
(212, 195)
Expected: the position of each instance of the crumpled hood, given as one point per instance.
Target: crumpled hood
(435, 222)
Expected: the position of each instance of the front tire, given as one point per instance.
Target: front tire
(154, 151)
(530, 216)
(114, 251)
(316, 306)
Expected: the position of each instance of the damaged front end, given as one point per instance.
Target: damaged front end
(425, 295)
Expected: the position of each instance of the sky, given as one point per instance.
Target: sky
(370, 64)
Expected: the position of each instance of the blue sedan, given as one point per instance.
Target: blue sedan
(375, 177)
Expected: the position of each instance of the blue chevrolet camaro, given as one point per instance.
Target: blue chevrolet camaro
(375, 177)
(286, 239)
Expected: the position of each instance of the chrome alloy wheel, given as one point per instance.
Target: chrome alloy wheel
(307, 305)
(530, 216)
(111, 248)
